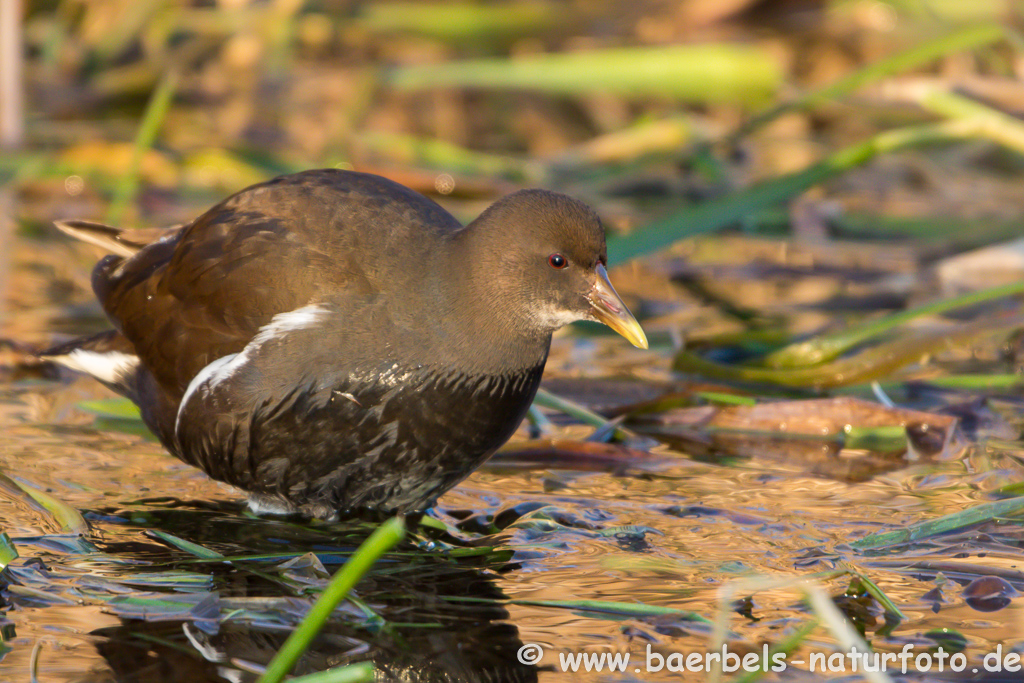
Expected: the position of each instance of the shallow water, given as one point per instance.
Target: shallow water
(460, 606)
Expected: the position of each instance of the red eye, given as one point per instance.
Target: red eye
(557, 261)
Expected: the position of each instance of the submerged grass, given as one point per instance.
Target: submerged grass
(187, 546)
(618, 609)
(546, 399)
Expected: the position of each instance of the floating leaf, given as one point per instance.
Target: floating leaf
(989, 593)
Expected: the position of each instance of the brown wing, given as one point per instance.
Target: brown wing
(205, 291)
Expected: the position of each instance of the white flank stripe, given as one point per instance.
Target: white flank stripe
(222, 368)
(109, 367)
(216, 371)
(282, 323)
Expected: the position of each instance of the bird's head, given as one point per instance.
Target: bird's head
(543, 258)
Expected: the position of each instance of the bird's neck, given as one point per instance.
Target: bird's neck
(484, 320)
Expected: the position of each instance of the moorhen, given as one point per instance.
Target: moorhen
(332, 340)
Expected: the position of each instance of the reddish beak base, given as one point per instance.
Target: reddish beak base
(607, 307)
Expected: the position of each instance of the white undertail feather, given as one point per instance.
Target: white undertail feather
(110, 366)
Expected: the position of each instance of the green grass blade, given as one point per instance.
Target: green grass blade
(156, 110)
(625, 609)
(67, 518)
(461, 21)
(977, 382)
(969, 38)
(435, 153)
(841, 627)
(827, 347)
(364, 672)
(112, 408)
(380, 541)
(873, 363)
(723, 212)
(786, 647)
(8, 551)
(720, 398)
(187, 546)
(998, 126)
(692, 73)
(946, 523)
(546, 399)
(877, 593)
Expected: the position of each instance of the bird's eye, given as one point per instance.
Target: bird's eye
(557, 261)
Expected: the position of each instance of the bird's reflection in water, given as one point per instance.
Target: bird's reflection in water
(428, 630)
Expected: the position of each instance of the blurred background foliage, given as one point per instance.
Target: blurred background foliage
(649, 110)
(883, 136)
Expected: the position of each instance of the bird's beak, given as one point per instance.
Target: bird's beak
(607, 307)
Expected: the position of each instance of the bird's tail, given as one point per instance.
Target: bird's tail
(120, 241)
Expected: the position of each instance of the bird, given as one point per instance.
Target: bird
(331, 341)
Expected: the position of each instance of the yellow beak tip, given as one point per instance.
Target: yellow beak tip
(608, 308)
